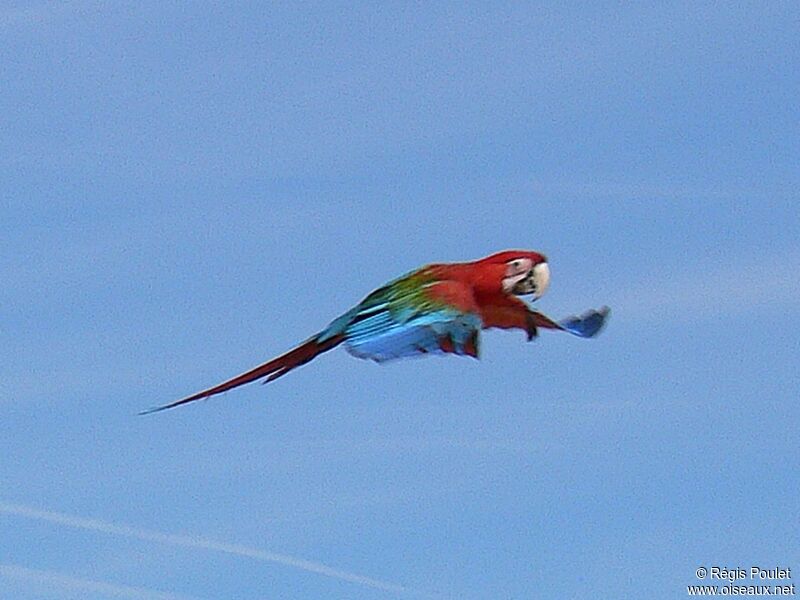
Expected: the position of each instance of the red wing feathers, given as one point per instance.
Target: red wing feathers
(509, 312)
(537, 319)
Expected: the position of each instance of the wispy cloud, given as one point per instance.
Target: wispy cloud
(58, 580)
(200, 543)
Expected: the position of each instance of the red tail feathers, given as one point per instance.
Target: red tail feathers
(277, 367)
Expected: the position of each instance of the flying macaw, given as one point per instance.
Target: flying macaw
(437, 309)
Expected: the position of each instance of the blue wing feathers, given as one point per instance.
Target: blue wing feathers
(588, 324)
(338, 326)
(395, 343)
(382, 338)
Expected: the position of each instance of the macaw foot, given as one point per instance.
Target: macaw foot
(588, 324)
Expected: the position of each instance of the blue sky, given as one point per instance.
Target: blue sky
(193, 188)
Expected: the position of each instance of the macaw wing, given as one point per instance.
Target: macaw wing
(585, 325)
(383, 338)
(412, 316)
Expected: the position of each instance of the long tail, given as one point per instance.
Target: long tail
(277, 367)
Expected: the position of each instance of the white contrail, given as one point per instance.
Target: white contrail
(186, 541)
(53, 579)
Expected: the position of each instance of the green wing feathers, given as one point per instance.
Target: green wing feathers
(415, 314)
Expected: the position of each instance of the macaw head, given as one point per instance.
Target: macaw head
(526, 272)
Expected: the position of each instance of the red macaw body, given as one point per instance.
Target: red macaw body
(438, 309)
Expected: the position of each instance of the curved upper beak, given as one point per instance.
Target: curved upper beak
(534, 281)
(541, 280)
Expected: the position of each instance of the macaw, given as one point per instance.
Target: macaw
(437, 309)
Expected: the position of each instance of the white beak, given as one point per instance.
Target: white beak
(541, 279)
